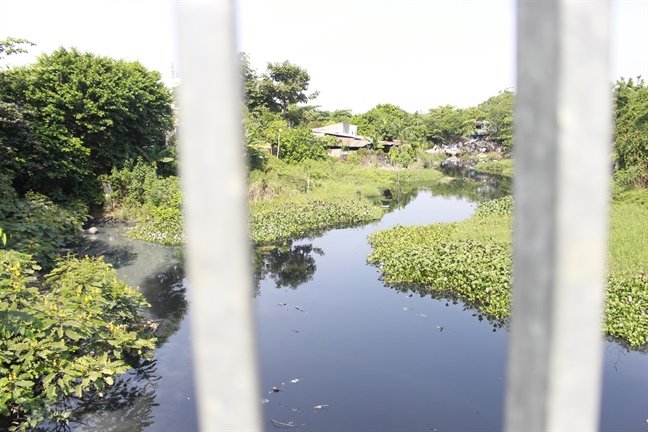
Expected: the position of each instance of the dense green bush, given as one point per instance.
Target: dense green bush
(37, 226)
(154, 201)
(69, 333)
(299, 144)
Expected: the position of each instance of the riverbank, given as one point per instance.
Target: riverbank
(287, 201)
(472, 261)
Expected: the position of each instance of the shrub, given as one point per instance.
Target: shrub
(70, 333)
(37, 226)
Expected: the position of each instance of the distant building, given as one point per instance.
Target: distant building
(348, 139)
(341, 128)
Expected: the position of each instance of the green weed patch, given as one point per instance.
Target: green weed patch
(472, 260)
(282, 220)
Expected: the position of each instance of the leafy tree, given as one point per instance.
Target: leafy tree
(20, 153)
(631, 125)
(283, 85)
(498, 111)
(323, 118)
(13, 46)
(89, 114)
(385, 122)
(447, 124)
(299, 144)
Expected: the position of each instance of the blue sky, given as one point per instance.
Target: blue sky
(414, 54)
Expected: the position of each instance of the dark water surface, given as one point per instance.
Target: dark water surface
(346, 352)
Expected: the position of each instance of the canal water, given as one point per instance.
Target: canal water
(338, 349)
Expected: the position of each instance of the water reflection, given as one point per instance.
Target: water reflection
(126, 405)
(288, 265)
(137, 399)
(166, 292)
(462, 182)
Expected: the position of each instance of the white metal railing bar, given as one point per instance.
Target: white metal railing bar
(563, 127)
(215, 207)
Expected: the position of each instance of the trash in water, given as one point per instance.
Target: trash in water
(320, 407)
(420, 315)
(295, 410)
(288, 425)
(282, 304)
(409, 295)
(275, 389)
(440, 328)
(299, 308)
(405, 308)
(295, 381)
(296, 331)
(264, 401)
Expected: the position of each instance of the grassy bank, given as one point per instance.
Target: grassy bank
(503, 167)
(287, 201)
(471, 261)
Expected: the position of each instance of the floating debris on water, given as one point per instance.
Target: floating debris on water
(275, 389)
(296, 331)
(288, 425)
(405, 308)
(440, 328)
(420, 315)
(264, 401)
(320, 407)
(295, 410)
(295, 381)
(282, 304)
(299, 308)
(409, 295)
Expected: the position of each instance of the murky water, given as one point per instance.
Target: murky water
(345, 351)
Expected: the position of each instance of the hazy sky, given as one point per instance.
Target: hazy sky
(414, 54)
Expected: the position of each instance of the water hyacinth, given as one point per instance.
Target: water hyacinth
(272, 220)
(443, 259)
(168, 232)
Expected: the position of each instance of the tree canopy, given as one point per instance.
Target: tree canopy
(87, 113)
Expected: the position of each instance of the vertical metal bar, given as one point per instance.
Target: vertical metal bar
(563, 119)
(218, 256)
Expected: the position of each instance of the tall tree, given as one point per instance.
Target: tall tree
(283, 85)
(90, 114)
(498, 111)
(447, 124)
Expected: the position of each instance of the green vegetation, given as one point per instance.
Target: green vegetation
(37, 226)
(68, 326)
(75, 116)
(471, 261)
(291, 201)
(497, 165)
(282, 220)
(70, 332)
(79, 130)
(139, 193)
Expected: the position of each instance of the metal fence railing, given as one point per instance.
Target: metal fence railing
(561, 187)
